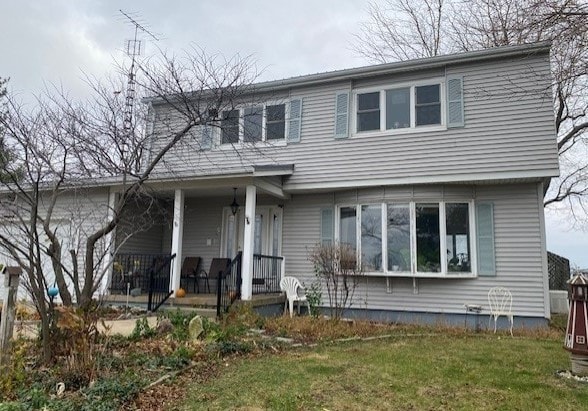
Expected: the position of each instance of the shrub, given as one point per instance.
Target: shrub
(142, 330)
(314, 297)
(335, 265)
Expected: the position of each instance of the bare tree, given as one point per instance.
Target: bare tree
(403, 30)
(55, 226)
(336, 267)
(479, 24)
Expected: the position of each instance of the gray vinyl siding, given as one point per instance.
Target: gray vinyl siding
(202, 221)
(77, 214)
(518, 250)
(508, 133)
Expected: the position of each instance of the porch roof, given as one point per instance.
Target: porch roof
(267, 178)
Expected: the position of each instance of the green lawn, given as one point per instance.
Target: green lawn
(404, 372)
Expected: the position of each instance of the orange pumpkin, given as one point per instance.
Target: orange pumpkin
(180, 293)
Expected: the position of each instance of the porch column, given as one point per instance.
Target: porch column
(109, 248)
(177, 240)
(248, 243)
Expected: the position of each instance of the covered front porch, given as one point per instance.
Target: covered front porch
(217, 238)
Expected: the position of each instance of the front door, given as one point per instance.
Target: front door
(267, 234)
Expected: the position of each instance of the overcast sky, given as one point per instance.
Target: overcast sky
(56, 41)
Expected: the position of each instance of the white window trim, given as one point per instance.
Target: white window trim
(444, 273)
(263, 142)
(413, 127)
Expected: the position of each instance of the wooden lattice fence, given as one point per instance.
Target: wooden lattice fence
(559, 271)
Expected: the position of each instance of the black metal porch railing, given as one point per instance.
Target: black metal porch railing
(267, 273)
(159, 279)
(140, 273)
(229, 286)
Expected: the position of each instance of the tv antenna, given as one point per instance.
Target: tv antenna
(132, 49)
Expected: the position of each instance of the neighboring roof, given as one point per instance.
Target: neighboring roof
(397, 67)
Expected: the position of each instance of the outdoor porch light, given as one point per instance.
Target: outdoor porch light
(234, 204)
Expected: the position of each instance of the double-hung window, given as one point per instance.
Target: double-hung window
(275, 122)
(253, 124)
(368, 111)
(230, 127)
(412, 238)
(428, 105)
(402, 107)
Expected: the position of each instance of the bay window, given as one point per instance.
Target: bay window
(412, 238)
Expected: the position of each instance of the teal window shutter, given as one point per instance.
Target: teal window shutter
(327, 226)
(342, 114)
(206, 137)
(295, 122)
(455, 112)
(485, 239)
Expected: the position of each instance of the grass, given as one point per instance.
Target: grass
(444, 371)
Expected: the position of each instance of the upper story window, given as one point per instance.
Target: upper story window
(368, 111)
(230, 127)
(275, 122)
(254, 123)
(403, 107)
(428, 105)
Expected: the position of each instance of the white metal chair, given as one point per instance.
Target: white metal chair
(500, 300)
(294, 292)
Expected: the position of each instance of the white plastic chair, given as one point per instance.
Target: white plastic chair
(500, 300)
(294, 292)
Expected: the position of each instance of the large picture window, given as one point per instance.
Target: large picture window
(432, 238)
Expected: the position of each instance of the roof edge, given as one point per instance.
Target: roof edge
(394, 67)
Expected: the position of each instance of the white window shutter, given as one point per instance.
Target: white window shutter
(295, 122)
(342, 114)
(485, 239)
(206, 137)
(327, 226)
(455, 111)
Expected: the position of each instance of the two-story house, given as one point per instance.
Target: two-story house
(433, 170)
